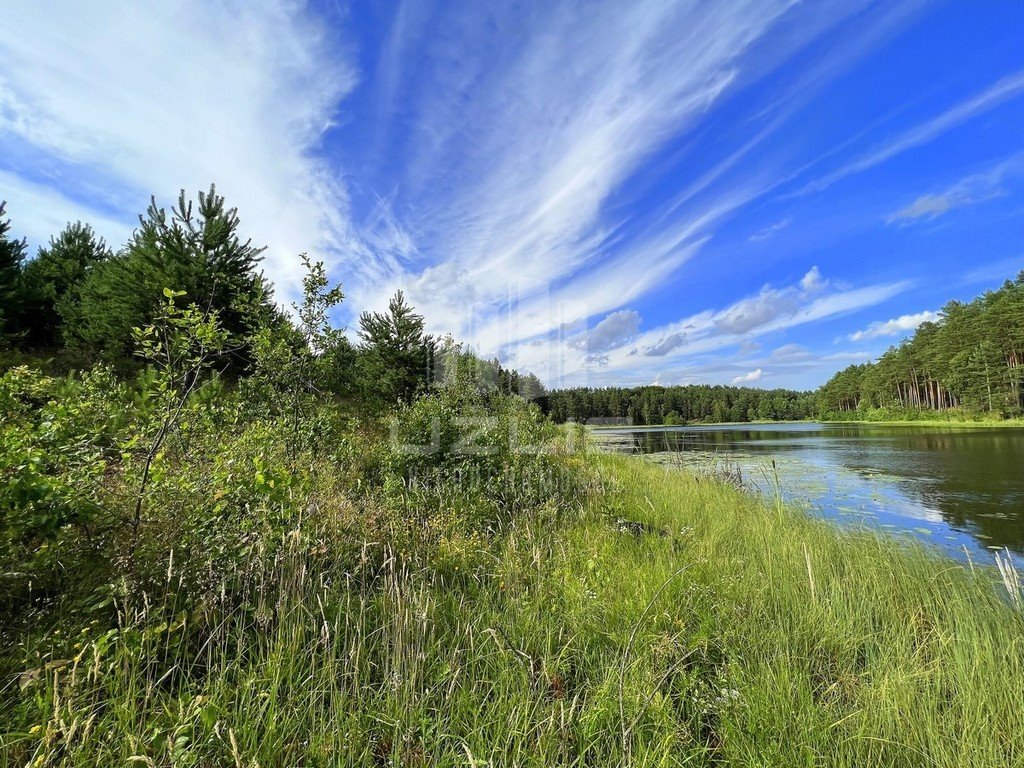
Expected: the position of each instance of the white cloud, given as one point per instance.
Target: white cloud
(749, 377)
(565, 365)
(970, 190)
(770, 231)
(513, 158)
(613, 331)
(813, 282)
(900, 325)
(38, 212)
(923, 133)
(127, 100)
(769, 304)
(791, 353)
(663, 346)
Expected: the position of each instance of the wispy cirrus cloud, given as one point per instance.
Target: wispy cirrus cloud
(519, 156)
(1007, 88)
(116, 102)
(970, 190)
(770, 231)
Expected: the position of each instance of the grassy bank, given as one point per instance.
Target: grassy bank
(643, 617)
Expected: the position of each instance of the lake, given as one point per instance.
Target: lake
(958, 487)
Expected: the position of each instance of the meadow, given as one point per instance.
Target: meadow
(313, 590)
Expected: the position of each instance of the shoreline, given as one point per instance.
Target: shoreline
(992, 423)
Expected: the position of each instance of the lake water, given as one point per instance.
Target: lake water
(961, 488)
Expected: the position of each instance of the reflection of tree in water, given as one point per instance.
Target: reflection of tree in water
(976, 481)
(973, 477)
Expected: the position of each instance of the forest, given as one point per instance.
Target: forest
(965, 366)
(679, 405)
(968, 363)
(231, 535)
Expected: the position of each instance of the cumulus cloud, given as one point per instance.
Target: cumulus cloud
(749, 377)
(899, 325)
(613, 331)
(669, 343)
(768, 305)
(813, 282)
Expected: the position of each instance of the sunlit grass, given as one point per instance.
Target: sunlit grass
(663, 620)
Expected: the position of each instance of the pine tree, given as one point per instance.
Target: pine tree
(396, 353)
(12, 259)
(53, 281)
(195, 249)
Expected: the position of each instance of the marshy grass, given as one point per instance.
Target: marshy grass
(717, 629)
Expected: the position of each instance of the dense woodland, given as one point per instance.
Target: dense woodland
(680, 405)
(970, 362)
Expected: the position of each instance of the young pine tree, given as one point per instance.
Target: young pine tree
(197, 249)
(396, 354)
(53, 281)
(12, 259)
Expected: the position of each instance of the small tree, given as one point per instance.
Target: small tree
(181, 345)
(294, 361)
(53, 280)
(396, 353)
(12, 259)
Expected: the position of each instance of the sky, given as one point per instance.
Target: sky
(601, 193)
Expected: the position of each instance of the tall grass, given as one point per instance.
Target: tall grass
(655, 618)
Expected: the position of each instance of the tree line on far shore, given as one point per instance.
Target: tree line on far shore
(679, 404)
(969, 362)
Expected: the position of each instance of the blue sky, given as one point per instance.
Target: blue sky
(601, 192)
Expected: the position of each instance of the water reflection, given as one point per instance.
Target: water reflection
(958, 487)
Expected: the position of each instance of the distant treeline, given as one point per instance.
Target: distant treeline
(679, 405)
(967, 362)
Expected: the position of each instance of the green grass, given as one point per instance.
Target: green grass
(662, 620)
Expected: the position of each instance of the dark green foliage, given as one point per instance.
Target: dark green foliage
(53, 280)
(679, 405)
(456, 367)
(970, 362)
(195, 249)
(396, 353)
(12, 258)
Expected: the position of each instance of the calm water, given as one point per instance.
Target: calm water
(961, 488)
